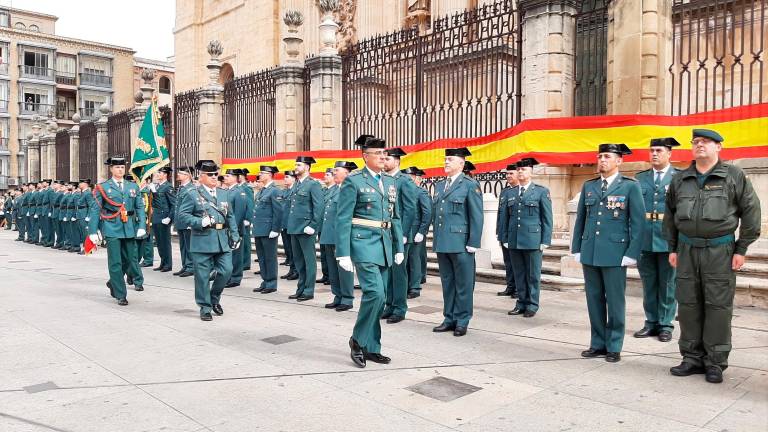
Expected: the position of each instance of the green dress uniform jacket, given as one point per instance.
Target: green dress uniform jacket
(419, 250)
(306, 210)
(397, 286)
(501, 236)
(245, 244)
(183, 230)
(267, 217)
(342, 281)
(163, 206)
(239, 207)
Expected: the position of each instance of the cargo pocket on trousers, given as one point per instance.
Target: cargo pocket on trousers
(719, 291)
(686, 292)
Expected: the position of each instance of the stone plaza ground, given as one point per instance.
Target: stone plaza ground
(72, 360)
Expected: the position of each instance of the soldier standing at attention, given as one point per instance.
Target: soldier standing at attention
(504, 196)
(304, 218)
(245, 238)
(74, 221)
(146, 243)
(45, 214)
(606, 239)
(457, 223)
(56, 214)
(419, 232)
(184, 178)
(327, 184)
(163, 209)
(238, 206)
(657, 275)
(214, 235)
(369, 240)
(268, 216)
(84, 210)
(290, 182)
(21, 212)
(119, 216)
(706, 202)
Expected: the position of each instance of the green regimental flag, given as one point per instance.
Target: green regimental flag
(150, 153)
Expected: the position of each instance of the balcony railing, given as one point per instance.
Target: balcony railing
(36, 72)
(3, 105)
(95, 80)
(65, 113)
(29, 108)
(3, 182)
(89, 113)
(66, 78)
(4, 145)
(4, 67)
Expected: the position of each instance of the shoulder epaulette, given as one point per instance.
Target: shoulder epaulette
(355, 172)
(593, 179)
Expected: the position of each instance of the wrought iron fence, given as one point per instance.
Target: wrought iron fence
(185, 149)
(590, 58)
(119, 136)
(248, 115)
(718, 54)
(460, 80)
(87, 151)
(62, 155)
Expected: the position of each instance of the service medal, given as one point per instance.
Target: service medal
(392, 193)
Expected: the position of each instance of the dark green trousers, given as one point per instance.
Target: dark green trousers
(121, 260)
(306, 262)
(286, 238)
(56, 225)
(208, 294)
(397, 287)
(658, 290)
(266, 251)
(162, 235)
(605, 288)
(323, 262)
(245, 247)
(45, 229)
(367, 331)
(424, 262)
(342, 281)
(35, 230)
(509, 271)
(457, 276)
(186, 257)
(526, 264)
(147, 248)
(22, 226)
(706, 286)
(414, 265)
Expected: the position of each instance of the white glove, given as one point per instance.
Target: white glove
(470, 249)
(140, 233)
(577, 257)
(405, 239)
(308, 230)
(64, 220)
(206, 221)
(418, 238)
(27, 213)
(87, 219)
(36, 217)
(166, 221)
(94, 239)
(153, 187)
(399, 257)
(73, 219)
(246, 223)
(506, 245)
(2, 213)
(49, 214)
(346, 263)
(542, 247)
(273, 234)
(627, 261)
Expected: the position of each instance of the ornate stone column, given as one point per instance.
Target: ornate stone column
(289, 90)
(102, 143)
(74, 149)
(211, 100)
(325, 88)
(142, 99)
(33, 154)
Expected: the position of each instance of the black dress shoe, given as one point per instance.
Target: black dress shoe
(343, 307)
(178, 272)
(294, 296)
(358, 287)
(166, 269)
(111, 289)
(413, 294)
(157, 269)
(612, 357)
(529, 314)
(285, 276)
(665, 336)
(206, 317)
(327, 283)
(128, 280)
(686, 369)
(333, 305)
(443, 328)
(356, 353)
(304, 298)
(138, 288)
(423, 281)
(504, 293)
(293, 276)
(646, 332)
(146, 264)
(258, 289)
(268, 290)
(590, 353)
(231, 285)
(122, 302)
(377, 358)
(322, 280)
(386, 315)
(513, 295)
(714, 375)
(459, 331)
(394, 319)
(217, 309)
(81, 253)
(186, 274)
(516, 311)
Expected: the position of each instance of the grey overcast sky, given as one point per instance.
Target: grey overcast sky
(144, 25)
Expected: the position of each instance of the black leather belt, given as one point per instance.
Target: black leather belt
(131, 213)
(82, 207)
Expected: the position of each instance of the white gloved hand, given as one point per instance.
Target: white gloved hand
(405, 240)
(206, 221)
(308, 230)
(346, 263)
(166, 221)
(27, 213)
(399, 257)
(94, 239)
(153, 187)
(64, 220)
(87, 219)
(577, 257)
(273, 234)
(73, 219)
(628, 262)
(2, 213)
(246, 223)
(418, 238)
(470, 249)
(140, 233)
(506, 245)
(542, 247)
(36, 217)
(49, 214)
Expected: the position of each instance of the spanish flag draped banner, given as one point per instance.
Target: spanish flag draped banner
(563, 141)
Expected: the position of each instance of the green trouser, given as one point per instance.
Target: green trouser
(72, 235)
(606, 305)
(245, 247)
(457, 276)
(342, 281)
(509, 271)
(706, 285)
(22, 226)
(288, 249)
(397, 287)
(266, 251)
(236, 273)
(121, 259)
(367, 331)
(186, 257)
(162, 234)
(34, 234)
(306, 263)
(66, 233)
(414, 266)
(44, 223)
(56, 228)
(207, 294)
(424, 262)
(658, 290)
(147, 248)
(526, 265)
(323, 262)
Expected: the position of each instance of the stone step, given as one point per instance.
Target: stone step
(548, 282)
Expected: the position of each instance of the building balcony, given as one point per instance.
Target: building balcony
(31, 108)
(3, 105)
(36, 72)
(65, 113)
(4, 150)
(66, 78)
(95, 80)
(4, 68)
(3, 182)
(89, 113)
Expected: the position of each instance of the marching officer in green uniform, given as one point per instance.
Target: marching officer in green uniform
(504, 196)
(657, 275)
(418, 231)
(146, 243)
(396, 305)
(457, 224)
(119, 216)
(369, 240)
(238, 207)
(342, 282)
(527, 224)
(304, 218)
(84, 210)
(163, 211)
(290, 182)
(607, 238)
(245, 243)
(206, 210)
(184, 177)
(268, 217)
(705, 205)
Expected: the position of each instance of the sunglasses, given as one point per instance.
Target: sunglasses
(211, 174)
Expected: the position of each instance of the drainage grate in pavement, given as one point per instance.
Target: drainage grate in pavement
(184, 311)
(443, 389)
(37, 388)
(279, 339)
(17, 261)
(425, 310)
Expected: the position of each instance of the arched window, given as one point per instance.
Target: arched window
(34, 28)
(20, 26)
(227, 73)
(590, 57)
(165, 85)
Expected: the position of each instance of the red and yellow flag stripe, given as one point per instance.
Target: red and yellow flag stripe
(563, 141)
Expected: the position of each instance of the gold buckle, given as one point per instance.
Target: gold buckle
(219, 226)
